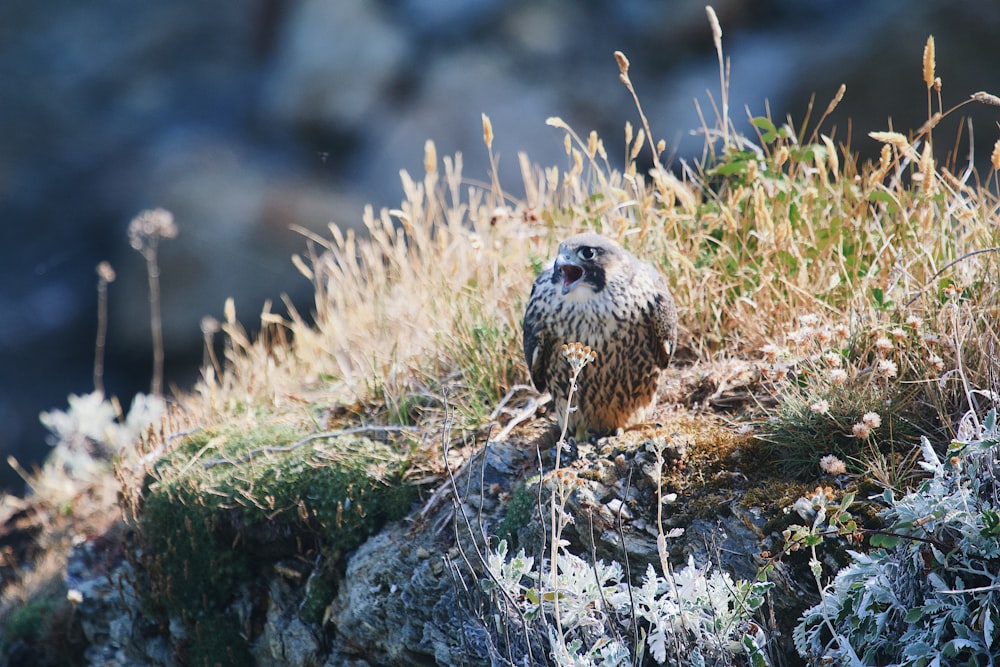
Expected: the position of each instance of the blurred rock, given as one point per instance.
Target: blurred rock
(335, 64)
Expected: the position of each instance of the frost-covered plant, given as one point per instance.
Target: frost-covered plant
(90, 431)
(932, 596)
(705, 617)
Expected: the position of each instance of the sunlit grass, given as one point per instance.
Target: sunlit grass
(423, 308)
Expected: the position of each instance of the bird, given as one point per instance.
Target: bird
(598, 294)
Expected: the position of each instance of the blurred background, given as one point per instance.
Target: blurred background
(245, 118)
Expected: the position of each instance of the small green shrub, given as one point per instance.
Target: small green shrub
(858, 396)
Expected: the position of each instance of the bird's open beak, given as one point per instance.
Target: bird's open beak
(569, 272)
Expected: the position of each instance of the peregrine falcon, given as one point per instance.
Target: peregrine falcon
(598, 294)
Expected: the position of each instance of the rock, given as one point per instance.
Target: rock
(447, 18)
(336, 66)
(286, 639)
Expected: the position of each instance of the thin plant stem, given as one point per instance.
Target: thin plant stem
(105, 275)
(155, 319)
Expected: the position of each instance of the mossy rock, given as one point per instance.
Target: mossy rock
(224, 505)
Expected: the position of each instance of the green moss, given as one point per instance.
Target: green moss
(216, 642)
(518, 515)
(26, 622)
(224, 505)
(319, 594)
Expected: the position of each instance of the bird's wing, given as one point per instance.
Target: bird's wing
(663, 313)
(537, 343)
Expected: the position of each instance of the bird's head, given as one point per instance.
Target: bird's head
(584, 264)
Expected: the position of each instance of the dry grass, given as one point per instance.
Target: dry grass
(425, 309)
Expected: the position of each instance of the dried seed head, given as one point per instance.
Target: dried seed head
(781, 156)
(836, 99)
(770, 352)
(936, 362)
(430, 157)
(820, 407)
(831, 465)
(995, 156)
(578, 355)
(640, 140)
(105, 272)
(209, 325)
(927, 167)
(929, 62)
(872, 419)
(487, 131)
(896, 140)
(887, 368)
(147, 228)
(592, 144)
(986, 98)
(623, 64)
(713, 20)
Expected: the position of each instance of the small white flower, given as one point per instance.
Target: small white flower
(883, 344)
(801, 336)
(770, 352)
(872, 419)
(822, 406)
(887, 368)
(861, 431)
(838, 376)
(830, 464)
(936, 362)
(808, 321)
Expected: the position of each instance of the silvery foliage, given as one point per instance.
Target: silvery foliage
(931, 598)
(694, 616)
(90, 433)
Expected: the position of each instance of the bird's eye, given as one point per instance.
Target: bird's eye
(587, 253)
